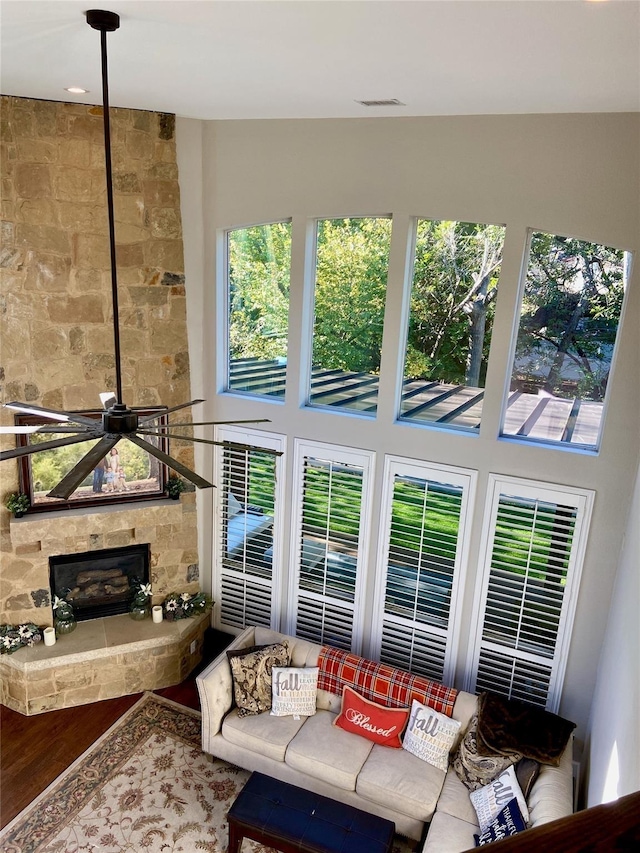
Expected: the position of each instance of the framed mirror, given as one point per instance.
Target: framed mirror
(126, 474)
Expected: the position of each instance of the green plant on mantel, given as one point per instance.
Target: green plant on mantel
(17, 503)
(174, 487)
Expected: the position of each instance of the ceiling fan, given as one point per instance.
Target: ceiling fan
(118, 420)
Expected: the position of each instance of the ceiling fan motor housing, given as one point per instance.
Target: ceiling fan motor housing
(119, 419)
(102, 20)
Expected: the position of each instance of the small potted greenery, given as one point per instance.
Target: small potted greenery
(175, 486)
(17, 503)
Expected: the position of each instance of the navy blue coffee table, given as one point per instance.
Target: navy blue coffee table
(293, 820)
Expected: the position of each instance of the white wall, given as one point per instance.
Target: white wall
(614, 737)
(568, 174)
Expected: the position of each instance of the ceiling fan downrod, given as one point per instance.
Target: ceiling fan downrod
(107, 22)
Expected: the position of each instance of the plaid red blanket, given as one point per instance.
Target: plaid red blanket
(381, 683)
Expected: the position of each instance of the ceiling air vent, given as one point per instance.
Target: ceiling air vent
(387, 102)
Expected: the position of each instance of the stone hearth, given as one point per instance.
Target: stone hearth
(101, 659)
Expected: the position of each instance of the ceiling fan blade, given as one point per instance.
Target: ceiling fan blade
(43, 428)
(17, 452)
(196, 479)
(177, 437)
(76, 475)
(18, 430)
(150, 418)
(53, 414)
(214, 423)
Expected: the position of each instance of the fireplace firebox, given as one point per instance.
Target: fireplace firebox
(100, 583)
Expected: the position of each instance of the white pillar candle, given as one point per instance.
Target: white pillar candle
(156, 613)
(49, 636)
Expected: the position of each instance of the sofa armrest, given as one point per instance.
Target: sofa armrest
(551, 796)
(215, 687)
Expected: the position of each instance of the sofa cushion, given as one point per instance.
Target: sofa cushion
(490, 800)
(454, 800)
(475, 770)
(261, 733)
(293, 690)
(508, 822)
(448, 834)
(251, 673)
(370, 720)
(326, 752)
(400, 781)
(430, 736)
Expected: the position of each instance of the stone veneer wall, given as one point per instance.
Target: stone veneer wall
(56, 327)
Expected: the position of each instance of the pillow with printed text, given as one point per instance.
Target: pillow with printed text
(430, 735)
(507, 823)
(370, 720)
(490, 800)
(293, 691)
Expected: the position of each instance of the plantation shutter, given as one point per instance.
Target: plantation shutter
(331, 536)
(246, 520)
(533, 555)
(425, 540)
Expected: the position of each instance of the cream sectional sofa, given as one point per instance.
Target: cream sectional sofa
(320, 757)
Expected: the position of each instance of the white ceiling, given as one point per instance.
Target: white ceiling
(246, 59)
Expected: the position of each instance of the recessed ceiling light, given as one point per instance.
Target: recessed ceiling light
(76, 90)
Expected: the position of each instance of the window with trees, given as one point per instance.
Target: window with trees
(352, 260)
(248, 541)
(258, 273)
(454, 288)
(425, 529)
(570, 312)
(531, 556)
(332, 506)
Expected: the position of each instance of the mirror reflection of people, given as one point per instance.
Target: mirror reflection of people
(98, 475)
(113, 463)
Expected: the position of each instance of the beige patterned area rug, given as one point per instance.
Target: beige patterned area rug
(145, 785)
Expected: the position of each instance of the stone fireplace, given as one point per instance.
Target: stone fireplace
(110, 655)
(58, 352)
(99, 583)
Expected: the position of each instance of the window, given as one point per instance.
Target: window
(455, 283)
(425, 528)
(352, 260)
(248, 543)
(258, 268)
(332, 506)
(569, 318)
(531, 555)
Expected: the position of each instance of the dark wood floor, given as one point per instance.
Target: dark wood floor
(35, 750)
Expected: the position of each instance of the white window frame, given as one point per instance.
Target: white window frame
(582, 500)
(223, 347)
(258, 439)
(310, 308)
(340, 455)
(588, 450)
(405, 319)
(446, 474)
